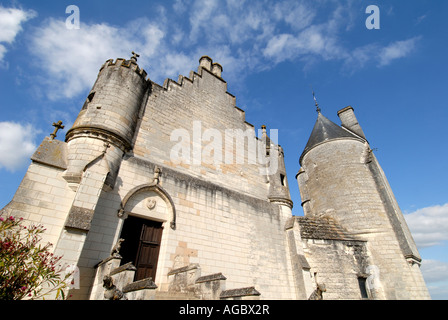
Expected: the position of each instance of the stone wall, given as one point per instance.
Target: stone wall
(337, 259)
(221, 229)
(201, 104)
(43, 196)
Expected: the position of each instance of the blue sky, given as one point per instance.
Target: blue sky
(272, 52)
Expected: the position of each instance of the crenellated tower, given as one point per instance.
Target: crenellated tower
(106, 124)
(278, 183)
(102, 133)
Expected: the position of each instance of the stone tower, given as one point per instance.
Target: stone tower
(107, 122)
(102, 133)
(341, 181)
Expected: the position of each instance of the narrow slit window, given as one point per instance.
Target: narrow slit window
(88, 100)
(283, 179)
(363, 288)
(90, 97)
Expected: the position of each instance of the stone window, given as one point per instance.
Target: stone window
(283, 179)
(88, 100)
(362, 287)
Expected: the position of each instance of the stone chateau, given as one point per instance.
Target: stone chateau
(142, 208)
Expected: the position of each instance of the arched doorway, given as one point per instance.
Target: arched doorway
(145, 210)
(142, 245)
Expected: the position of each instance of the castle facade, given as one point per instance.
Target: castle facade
(167, 192)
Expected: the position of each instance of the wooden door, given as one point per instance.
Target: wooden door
(148, 250)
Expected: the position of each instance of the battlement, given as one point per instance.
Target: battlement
(205, 63)
(131, 64)
(214, 68)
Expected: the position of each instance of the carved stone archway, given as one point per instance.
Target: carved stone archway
(154, 187)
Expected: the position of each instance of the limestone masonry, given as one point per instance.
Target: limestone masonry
(144, 208)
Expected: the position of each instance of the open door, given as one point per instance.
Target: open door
(141, 245)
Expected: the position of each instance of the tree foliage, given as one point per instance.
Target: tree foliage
(28, 270)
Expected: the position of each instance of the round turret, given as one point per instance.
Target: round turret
(109, 115)
(278, 183)
(335, 180)
(113, 104)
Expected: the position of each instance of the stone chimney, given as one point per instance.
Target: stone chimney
(206, 62)
(349, 121)
(217, 69)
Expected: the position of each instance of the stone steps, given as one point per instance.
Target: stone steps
(115, 281)
(165, 295)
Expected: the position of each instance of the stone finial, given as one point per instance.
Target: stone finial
(315, 103)
(58, 125)
(157, 172)
(264, 132)
(134, 56)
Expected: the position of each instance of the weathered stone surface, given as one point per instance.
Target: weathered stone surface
(52, 153)
(79, 218)
(211, 277)
(240, 292)
(140, 285)
(324, 228)
(126, 267)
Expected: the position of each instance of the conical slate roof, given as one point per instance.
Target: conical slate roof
(325, 130)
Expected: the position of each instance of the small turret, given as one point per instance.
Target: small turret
(278, 183)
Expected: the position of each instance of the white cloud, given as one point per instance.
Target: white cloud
(429, 225)
(174, 62)
(370, 53)
(71, 58)
(278, 45)
(16, 144)
(313, 41)
(434, 270)
(296, 14)
(243, 36)
(202, 11)
(2, 52)
(396, 50)
(360, 56)
(435, 274)
(11, 20)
